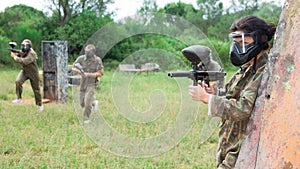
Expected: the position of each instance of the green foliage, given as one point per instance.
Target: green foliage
(270, 12)
(4, 53)
(78, 30)
(211, 9)
(221, 29)
(146, 48)
(222, 49)
(242, 6)
(148, 6)
(209, 14)
(180, 9)
(64, 10)
(18, 23)
(110, 64)
(82, 19)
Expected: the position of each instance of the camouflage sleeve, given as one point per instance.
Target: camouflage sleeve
(31, 57)
(100, 66)
(238, 109)
(78, 60)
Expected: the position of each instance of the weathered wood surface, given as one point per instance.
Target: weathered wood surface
(55, 70)
(273, 134)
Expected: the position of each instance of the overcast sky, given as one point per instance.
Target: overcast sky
(122, 8)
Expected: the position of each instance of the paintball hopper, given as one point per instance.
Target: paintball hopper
(211, 72)
(12, 44)
(12, 47)
(196, 54)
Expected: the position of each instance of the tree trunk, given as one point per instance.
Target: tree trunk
(273, 133)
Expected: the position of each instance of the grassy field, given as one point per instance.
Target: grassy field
(138, 107)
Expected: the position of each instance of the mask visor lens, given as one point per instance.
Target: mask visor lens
(240, 40)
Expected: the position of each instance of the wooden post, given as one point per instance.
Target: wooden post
(273, 134)
(55, 68)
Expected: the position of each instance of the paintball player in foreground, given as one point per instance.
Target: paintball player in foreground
(251, 36)
(28, 58)
(90, 67)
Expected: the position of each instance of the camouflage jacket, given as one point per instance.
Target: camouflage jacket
(235, 109)
(28, 62)
(89, 65)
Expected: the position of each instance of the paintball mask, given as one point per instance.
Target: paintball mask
(89, 54)
(241, 54)
(89, 51)
(25, 47)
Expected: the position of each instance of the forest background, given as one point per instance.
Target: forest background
(76, 21)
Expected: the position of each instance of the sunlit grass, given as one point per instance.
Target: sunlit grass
(55, 138)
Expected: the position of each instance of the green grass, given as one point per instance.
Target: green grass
(56, 137)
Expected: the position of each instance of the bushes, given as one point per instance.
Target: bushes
(169, 56)
(4, 53)
(222, 48)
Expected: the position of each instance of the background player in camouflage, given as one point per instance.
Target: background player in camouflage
(251, 36)
(28, 59)
(91, 68)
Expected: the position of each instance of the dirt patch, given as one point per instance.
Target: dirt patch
(31, 101)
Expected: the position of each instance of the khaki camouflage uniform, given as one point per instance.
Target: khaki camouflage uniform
(235, 110)
(29, 71)
(88, 84)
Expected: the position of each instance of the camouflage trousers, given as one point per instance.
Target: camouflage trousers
(34, 81)
(86, 99)
(226, 159)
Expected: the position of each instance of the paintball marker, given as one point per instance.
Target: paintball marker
(212, 72)
(79, 67)
(12, 47)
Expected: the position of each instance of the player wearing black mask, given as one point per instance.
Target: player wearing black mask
(25, 47)
(251, 36)
(90, 67)
(28, 59)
